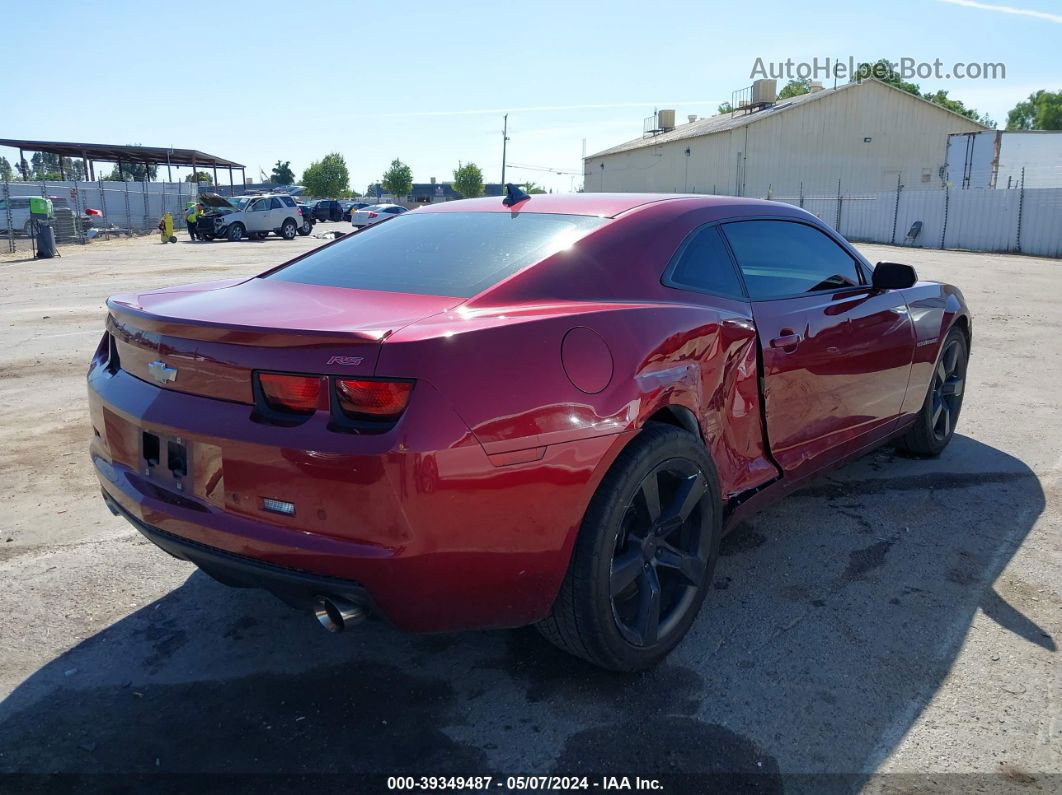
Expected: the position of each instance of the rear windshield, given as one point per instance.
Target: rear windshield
(457, 254)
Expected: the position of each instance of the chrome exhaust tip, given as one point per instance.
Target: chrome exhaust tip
(335, 615)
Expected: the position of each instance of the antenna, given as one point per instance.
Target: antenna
(513, 195)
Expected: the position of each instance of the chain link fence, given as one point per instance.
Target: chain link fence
(85, 211)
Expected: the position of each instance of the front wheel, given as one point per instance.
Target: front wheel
(235, 232)
(935, 424)
(288, 230)
(645, 554)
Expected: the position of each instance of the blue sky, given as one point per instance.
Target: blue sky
(429, 82)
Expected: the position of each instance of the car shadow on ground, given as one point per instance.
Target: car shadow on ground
(833, 620)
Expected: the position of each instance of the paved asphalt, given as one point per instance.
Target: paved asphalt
(897, 617)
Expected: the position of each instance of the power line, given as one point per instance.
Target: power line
(547, 169)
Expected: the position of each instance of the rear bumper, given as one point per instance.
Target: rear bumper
(419, 522)
(297, 588)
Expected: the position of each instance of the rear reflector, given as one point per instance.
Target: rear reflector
(373, 399)
(296, 393)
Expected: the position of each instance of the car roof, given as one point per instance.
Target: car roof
(606, 205)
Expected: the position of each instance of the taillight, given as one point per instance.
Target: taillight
(299, 211)
(372, 215)
(373, 400)
(298, 394)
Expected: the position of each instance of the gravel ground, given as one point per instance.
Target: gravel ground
(893, 627)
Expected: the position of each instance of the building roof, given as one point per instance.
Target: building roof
(112, 153)
(731, 121)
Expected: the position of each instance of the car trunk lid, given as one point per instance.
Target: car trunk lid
(208, 339)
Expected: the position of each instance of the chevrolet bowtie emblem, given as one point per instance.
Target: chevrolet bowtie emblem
(161, 373)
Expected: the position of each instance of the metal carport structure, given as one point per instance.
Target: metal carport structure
(119, 154)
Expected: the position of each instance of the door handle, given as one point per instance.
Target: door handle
(788, 339)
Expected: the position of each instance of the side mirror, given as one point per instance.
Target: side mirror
(893, 276)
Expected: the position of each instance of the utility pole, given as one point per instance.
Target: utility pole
(505, 140)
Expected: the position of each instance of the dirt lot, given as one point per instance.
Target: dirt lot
(899, 616)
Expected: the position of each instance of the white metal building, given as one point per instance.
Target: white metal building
(997, 159)
(867, 135)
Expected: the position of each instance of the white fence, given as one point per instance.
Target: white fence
(1027, 221)
(124, 207)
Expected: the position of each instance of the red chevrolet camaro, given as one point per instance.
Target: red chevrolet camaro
(538, 410)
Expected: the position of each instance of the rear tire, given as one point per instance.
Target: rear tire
(935, 424)
(236, 232)
(288, 230)
(645, 554)
(305, 229)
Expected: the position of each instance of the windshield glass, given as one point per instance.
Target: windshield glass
(455, 254)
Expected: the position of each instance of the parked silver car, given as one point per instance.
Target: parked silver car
(367, 216)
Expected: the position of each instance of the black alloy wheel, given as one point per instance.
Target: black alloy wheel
(948, 381)
(661, 554)
(935, 422)
(644, 556)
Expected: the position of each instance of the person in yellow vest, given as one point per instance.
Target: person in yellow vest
(191, 216)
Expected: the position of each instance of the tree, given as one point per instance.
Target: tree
(282, 174)
(882, 70)
(940, 97)
(327, 177)
(1041, 111)
(204, 178)
(398, 179)
(725, 107)
(533, 188)
(794, 88)
(45, 166)
(135, 172)
(468, 180)
(6, 172)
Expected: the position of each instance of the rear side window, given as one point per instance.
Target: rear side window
(784, 258)
(456, 254)
(703, 264)
(275, 203)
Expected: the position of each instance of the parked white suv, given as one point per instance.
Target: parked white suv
(249, 216)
